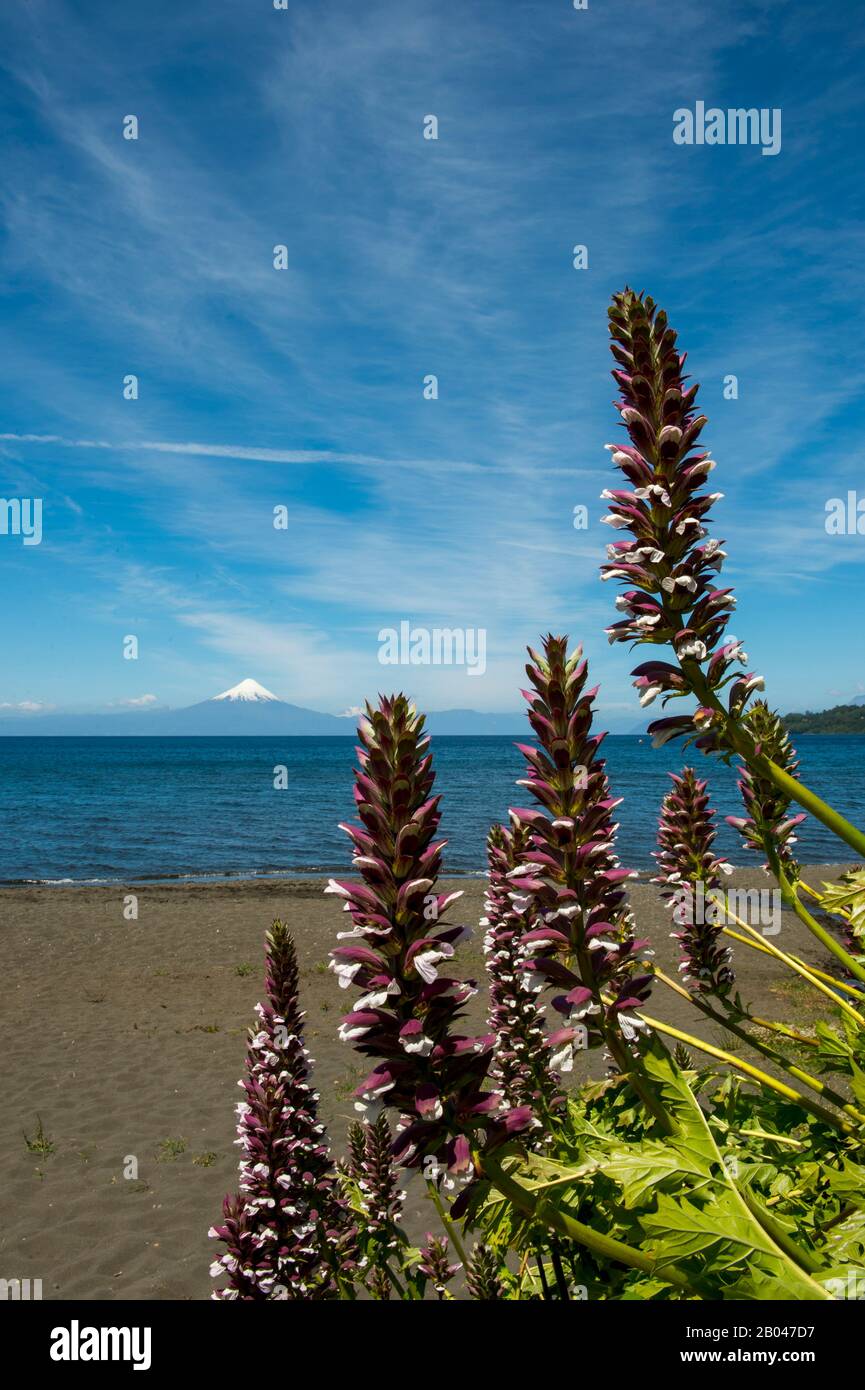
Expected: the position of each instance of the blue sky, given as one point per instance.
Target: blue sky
(408, 256)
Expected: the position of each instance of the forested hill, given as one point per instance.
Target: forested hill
(843, 719)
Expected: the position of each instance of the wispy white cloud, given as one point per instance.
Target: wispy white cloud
(406, 257)
(137, 701)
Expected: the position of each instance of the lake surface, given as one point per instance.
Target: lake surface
(108, 809)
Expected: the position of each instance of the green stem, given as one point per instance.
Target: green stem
(742, 743)
(808, 972)
(772, 1026)
(813, 1082)
(449, 1226)
(542, 1275)
(395, 1281)
(606, 1246)
(739, 1064)
(556, 1260)
(783, 1139)
(790, 896)
(803, 1260)
(818, 808)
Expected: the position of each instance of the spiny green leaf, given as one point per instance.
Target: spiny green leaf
(645, 1166)
(540, 1174)
(721, 1230)
(846, 1241)
(832, 1049)
(848, 1182)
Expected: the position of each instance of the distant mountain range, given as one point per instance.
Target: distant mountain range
(247, 708)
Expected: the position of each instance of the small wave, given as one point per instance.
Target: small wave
(54, 882)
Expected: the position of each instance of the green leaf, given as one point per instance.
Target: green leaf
(848, 1183)
(645, 1166)
(846, 1241)
(848, 895)
(720, 1231)
(832, 1048)
(694, 1142)
(857, 1082)
(541, 1174)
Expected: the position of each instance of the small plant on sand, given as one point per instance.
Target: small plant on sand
(695, 1170)
(39, 1143)
(244, 969)
(170, 1149)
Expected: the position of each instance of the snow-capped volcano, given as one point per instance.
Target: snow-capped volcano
(245, 709)
(250, 692)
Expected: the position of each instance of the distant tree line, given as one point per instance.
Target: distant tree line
(842, 719)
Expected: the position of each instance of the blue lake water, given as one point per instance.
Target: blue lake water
(110, 809)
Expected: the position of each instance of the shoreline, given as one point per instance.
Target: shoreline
(313, 875)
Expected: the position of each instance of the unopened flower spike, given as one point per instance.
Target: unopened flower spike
(435, 1264)
(768, 827)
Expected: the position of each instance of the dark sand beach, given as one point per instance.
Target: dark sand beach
(127, 1038)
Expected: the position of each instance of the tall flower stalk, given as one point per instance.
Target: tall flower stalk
(569, 876)
(690, 874)
(671, 563)
(669, 560)
(408, 1010)
(520, 1068)
(371, 1173)
(768, 826)
(287, 1233)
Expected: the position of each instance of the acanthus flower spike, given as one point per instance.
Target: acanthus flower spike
(427, 1071)
(690, 874)
(483, 1276)
(371, 1174)
(288, 1233)
(768, 828)
(671, 562)
(520, 1068)
(584, 941)
(435, 1264)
